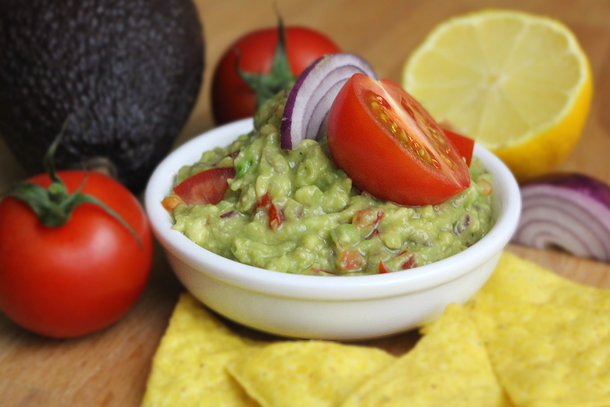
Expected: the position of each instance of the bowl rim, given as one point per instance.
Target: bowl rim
(320, 287)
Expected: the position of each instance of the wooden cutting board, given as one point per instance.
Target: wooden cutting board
(110, 368)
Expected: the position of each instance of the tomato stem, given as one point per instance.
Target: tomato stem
(267, 86)
(54, 205)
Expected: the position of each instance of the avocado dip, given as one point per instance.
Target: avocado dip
(296, 212)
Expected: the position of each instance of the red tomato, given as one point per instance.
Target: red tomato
(276, 216)
(390, 146)
(207, 186)
(464, 145)
(74, 279)
(350, 260)
(234, 99)
(382, 269)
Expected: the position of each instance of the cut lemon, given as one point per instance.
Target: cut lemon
(517, 83)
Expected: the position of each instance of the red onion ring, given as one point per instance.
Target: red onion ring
(313, 93)
(569, 211)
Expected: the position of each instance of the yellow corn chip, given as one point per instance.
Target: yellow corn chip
(546, 338)
(520, 280)
(306, 373)
(448, 367)
(189, 366)
(547, 354)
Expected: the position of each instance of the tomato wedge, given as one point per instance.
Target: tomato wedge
(464, 145)
(276, 216)
(208, 186)
(391, 147)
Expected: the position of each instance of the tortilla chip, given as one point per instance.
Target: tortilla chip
(529, 333)
(189, 366)
(306, 373)
(448, 367)
(547, 354)
(518, 280)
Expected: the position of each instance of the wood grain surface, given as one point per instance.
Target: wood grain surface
(110, 368)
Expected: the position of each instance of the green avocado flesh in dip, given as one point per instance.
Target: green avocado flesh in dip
(296, 212)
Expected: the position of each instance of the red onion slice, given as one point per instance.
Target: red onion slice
(314, 92)
(570, 211)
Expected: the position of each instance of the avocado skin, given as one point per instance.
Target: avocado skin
(127, 73)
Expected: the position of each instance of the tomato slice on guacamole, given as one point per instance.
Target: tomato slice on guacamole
(391, 147)
(464, 145)
(208, 186)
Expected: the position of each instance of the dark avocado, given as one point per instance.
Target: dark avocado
(126, 72)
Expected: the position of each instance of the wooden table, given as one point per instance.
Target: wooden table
(110, 368)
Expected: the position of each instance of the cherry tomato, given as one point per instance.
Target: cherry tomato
(382, 269)
(207, 186)
(390, 146)
(232, 97)
(77, 278)
(464, 145)
(276, 216)
(350, 260)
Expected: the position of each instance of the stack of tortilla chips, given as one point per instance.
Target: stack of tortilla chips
(529, 338)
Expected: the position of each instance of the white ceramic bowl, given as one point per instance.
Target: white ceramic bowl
(346, 308)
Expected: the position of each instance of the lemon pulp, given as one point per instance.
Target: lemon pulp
(519, 84)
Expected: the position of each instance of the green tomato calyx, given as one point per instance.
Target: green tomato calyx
(54, 206)
(266, 86)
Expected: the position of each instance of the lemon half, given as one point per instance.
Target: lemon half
(517, 83)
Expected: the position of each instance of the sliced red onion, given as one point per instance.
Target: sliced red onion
(314, 92)
(569, 211)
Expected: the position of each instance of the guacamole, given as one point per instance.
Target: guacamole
(296, 212)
